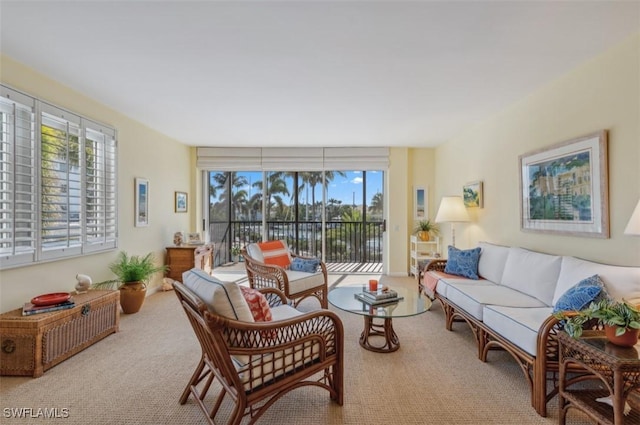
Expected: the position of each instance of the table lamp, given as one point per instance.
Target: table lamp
(452, 210)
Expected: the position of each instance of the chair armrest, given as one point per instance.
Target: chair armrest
(436, 265)
(243, 338)
(275, 297)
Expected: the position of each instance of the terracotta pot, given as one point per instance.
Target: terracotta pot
(627, 339)
(423, 236)
(132, 296)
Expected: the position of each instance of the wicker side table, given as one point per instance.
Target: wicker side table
(616, 367)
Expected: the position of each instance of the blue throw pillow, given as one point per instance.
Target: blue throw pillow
(463, 262)
(580, 295)
(307, 265)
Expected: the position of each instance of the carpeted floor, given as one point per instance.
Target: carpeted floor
(137, 375)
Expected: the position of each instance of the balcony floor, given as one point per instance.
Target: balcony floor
(339, 268)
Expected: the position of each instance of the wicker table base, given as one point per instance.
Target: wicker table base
(617, 368)
(385, 330)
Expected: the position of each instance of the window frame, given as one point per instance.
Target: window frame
(97, 169)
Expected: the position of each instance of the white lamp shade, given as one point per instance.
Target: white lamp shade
(452, 210)
(633, 227)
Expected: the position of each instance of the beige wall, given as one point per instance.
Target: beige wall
(142, 152)
(601, 94)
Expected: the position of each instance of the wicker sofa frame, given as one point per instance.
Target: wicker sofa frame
(314, 339)
(263, 275)
(538, 369)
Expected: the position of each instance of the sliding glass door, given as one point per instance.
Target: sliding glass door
(334, 215)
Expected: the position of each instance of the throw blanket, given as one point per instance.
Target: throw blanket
(431, 280)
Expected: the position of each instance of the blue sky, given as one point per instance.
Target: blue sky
(341, 188)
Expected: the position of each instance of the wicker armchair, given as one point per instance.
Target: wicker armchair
(295, 285)
(257, 363)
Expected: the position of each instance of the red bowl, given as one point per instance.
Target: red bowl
(51, 299)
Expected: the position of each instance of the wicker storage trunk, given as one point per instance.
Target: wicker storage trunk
(30, 345)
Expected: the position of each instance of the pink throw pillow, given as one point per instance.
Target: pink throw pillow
(257, 304)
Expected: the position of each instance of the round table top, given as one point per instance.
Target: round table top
(413, 303)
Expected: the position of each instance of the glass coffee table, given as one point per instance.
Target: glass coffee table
(412, 304)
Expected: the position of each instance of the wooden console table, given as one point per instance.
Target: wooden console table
(618, 368)
(185, 257)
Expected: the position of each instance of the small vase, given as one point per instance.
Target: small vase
(628, 339)
(423, 236)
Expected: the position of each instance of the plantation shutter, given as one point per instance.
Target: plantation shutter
(60, 183)
(17, 179)
(100, 188)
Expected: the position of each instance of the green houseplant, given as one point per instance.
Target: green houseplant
(235, 253)
(132, 275)
(425, 229)
(620, 320)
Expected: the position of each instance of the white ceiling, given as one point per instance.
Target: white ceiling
(310, 73)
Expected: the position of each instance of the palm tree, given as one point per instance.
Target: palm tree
(377, 203)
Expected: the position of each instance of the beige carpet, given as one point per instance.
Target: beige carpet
(137, 375)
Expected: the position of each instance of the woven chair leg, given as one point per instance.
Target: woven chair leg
(193, 381)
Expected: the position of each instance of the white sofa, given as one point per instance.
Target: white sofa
(511, 306)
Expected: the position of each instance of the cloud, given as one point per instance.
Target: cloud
(357, 180)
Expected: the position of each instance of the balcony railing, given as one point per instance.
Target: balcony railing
(346, 242)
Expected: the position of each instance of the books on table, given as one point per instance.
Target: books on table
(378, 297)
(29, 308)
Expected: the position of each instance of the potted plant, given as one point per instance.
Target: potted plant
(235, 253)
(132, 275)
(620, 320)
(425, 229)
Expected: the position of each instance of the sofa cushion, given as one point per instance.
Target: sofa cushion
(463, 262)
(301, 281)
(532, 273)
(618, 280)
(307, 265)
(222, 298)
(580, 295)
(275, 253)
(444, 281)
(520, 326)
(492, 261)
(473, 298)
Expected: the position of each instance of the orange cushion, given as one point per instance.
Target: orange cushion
(275, 253)
(257, 304)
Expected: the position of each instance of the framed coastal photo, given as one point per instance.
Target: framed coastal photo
(564, 188)
(420, 203)
(181, 202)
(141, 202)
(472, 195)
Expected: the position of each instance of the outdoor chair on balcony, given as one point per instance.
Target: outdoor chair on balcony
(256, 362)
(272, 265)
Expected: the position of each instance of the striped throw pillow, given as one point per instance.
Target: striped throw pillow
(276, 253)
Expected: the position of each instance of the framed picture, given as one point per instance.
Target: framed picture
(420, 210)
(141, 202)
(181, 202)
(472, 195)
(564, 188)
(194, 238)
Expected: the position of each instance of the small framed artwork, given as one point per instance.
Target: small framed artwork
(141, 202)
(564, 188)
(181, 202)
(194, 238)
(420, 206)
(472, 195)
